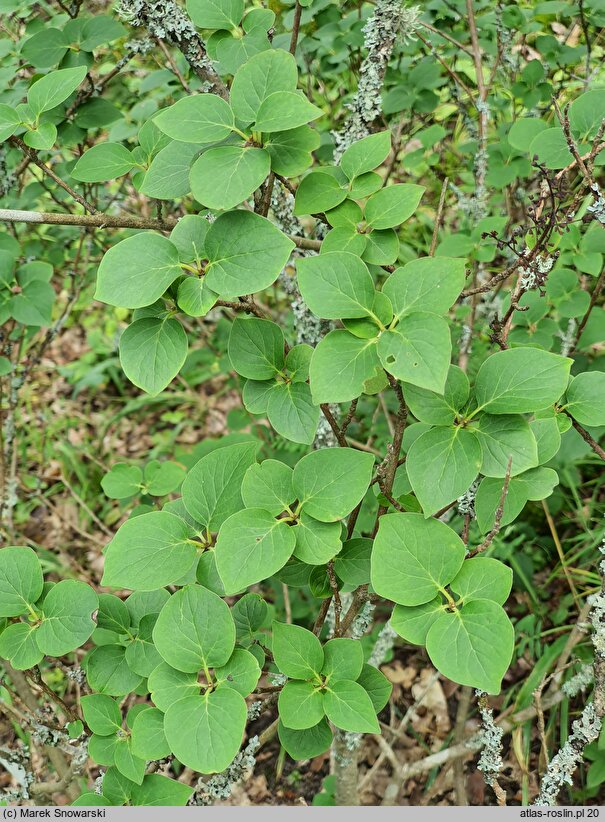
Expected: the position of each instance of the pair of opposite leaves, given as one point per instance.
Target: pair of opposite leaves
(160, 548)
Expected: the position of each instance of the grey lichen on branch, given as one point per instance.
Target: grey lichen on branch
(587, 727)
(390, 22)
(221, 785)
(165, 20)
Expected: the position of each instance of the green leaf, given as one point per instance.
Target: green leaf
(365, 185)
(523, 131)
(256, 348)
(551, 149)
(441, 465)
(148, 737)
(412, 623)
(194, 297)
(232, 52)
(211, 490)
(548, 438)
(18, 644)
(102, 714)
(437, 409)
(300, 705)
(160, 790)
(195, 630)
(340, 366)
(297, 652)
(377, 686)
(347, 215)
(343, 659)
(67, 617)
(168, 175)
(473, 645)
(292, 413)
(149, 552)
(136, 272)
(291, 150)
(142, 603)
(131, 766)
(268, 486)
(122, 481)
(283, 110)
(382, 247)
(255, 395)
(46, 48)
(92, 800)
(366, 154)
(413, 558)
(42, 137)
(336, 285)
(246, 253)
(521, 380)
(162, 478)
(117, 787)
(352, 564)
(152, 352)
(113, 615)
(536, 484)
(427, 284)
(107, 671)
(215, 725)
(21, 580)
(200, 118)
(167, 685)
(418, 350)
(585, 399)
(344, 239)
(483, 578)
(105, 161)
(241, 672)
(101, 749)
(262, 75)
(318, 192)
(316, 542)
(189, 236)
(9, 121)
(141, 653)
(330, 482)
(586, 113)
(350, 708)
(249, 613)
(224, 177)
(307, 743)
(54, 88)
(504, 436)
(251, 546)
(216, 14)
(393, 205)
(33, 305)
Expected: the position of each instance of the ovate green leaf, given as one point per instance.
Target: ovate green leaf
(413, 558)
(330, 482)
(214, 726)
(441, 465)
(521, 380)
(149, 552)
(136, 272)
(195, 630)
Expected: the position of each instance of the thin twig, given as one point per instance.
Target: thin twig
(98, 220)
(438, 217)
(499, 513)
(33, 157)
(586, 437)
